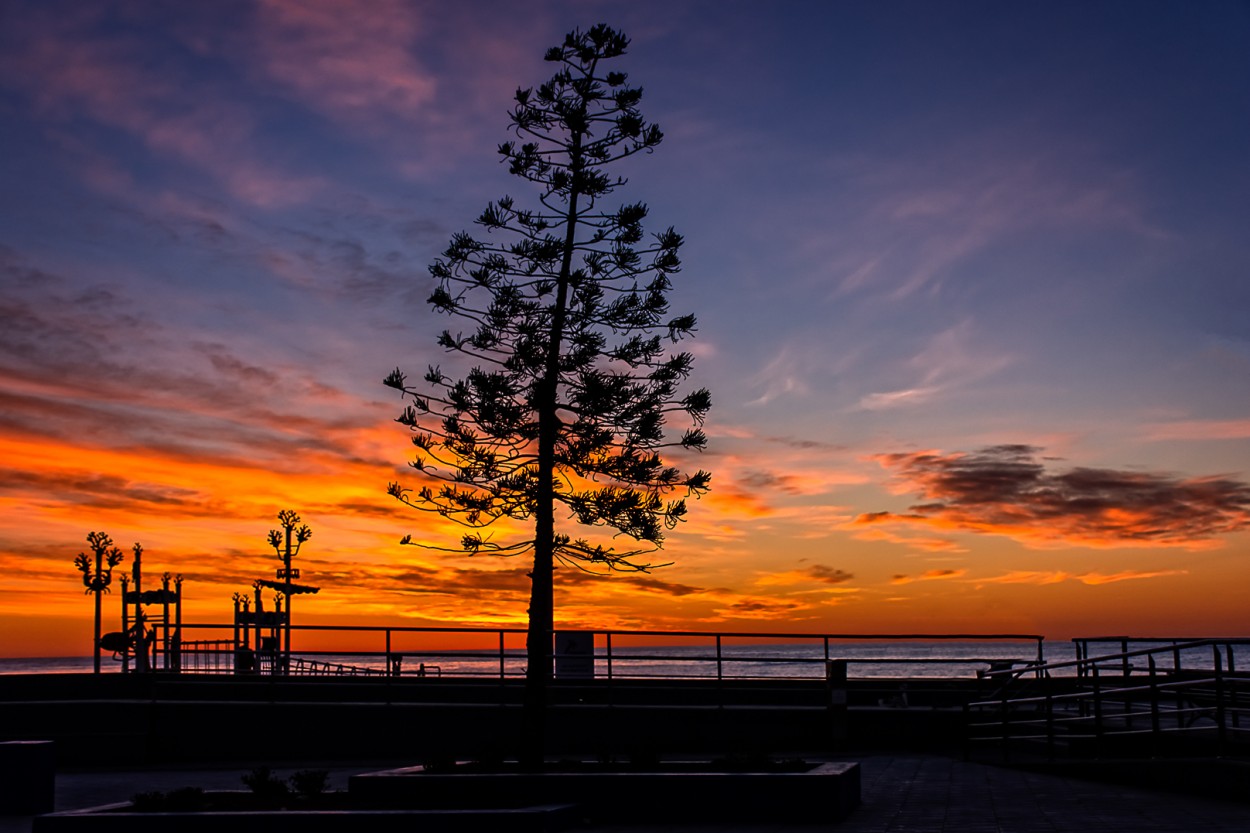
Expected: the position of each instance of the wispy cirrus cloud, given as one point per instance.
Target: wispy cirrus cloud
(354, 62)
(949, 361)
(1060, 576)
(785, 375)
(1006, 490)
(105, 66)
(940, 208)
(1197, 429)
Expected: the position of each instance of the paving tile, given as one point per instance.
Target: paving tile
(901, 794)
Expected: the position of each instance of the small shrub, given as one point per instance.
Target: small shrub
(265, 784)
(310, 783)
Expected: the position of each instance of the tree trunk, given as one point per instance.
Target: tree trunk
(541, 631)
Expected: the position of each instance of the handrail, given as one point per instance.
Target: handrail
(1108, 706)
(613, 652)
(1108, 658)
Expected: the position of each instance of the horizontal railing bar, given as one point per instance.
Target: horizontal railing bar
(1233, 640)
(657, 633)
(1105, 694)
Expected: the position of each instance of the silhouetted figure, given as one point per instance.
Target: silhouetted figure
(142, 638)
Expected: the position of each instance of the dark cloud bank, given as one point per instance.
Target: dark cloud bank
(1007, 489)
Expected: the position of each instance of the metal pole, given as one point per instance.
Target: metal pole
(1155, 734)
(177, 643)
(835, 680)
(165, 645)
(1050, 717)
(286, 563)
(125, 623)
(99, 566)
(1097, 709)
(260, 609)
(1221, 727)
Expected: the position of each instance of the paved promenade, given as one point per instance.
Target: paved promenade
(901, 794)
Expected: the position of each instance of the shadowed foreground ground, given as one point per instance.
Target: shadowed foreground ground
(913, 793)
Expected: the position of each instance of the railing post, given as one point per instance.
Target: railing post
(719, 670)
(607, 637)
(1050, 717)
(503, 669)
(1097, 709)
(967, 730)
(1004, 714)
(1234, 695)
(1123, 659)
(1156, 736)
(835, 682)
(1220, 728)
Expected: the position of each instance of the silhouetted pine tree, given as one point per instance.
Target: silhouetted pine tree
(568, 324)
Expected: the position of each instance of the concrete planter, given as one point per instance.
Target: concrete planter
(676, 791)
(122, 818)
(455, 799)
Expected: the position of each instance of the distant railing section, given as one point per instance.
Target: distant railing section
(205, 656)
(303, 667)
(1169, 652)
(1176, 698)
(599, 654)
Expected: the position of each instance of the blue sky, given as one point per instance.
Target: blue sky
(912, 228)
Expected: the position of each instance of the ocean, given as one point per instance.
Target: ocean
(908, 660)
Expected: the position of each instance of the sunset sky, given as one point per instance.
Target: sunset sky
(972, 281)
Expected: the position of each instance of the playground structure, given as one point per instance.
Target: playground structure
(151, 620)
(258, 645)
(151, 634)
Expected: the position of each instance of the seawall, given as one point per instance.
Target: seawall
(157, 718)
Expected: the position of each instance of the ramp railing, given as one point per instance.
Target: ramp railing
(1181, 698)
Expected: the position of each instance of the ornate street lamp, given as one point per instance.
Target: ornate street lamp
(282, 545)
(98, 580)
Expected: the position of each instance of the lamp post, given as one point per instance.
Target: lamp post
(282, 546)
(97, 581)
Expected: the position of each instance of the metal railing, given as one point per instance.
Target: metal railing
(635, 654)
(1177, 698)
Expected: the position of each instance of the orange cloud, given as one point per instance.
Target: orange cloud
(761, 608)
(818, 573)
(1004, 490)
(928, 575)
(927, 544)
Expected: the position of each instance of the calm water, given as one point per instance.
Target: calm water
(894, 659)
